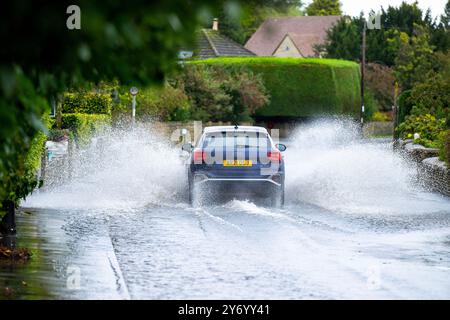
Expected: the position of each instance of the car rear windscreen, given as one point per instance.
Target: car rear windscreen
(234, 140)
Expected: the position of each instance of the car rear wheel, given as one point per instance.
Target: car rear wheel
(277, 198)
(191, 193)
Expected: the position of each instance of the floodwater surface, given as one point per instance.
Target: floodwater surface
(356, 225)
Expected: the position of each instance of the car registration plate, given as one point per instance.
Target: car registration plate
(237, 163)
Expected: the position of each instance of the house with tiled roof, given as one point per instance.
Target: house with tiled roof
(212, 44)
(290, 36)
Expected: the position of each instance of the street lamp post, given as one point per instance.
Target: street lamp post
(363, 63)
(134, 92)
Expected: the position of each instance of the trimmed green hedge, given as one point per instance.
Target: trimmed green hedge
(87, 102)
(301, 87)
(84, 126)
(23, 180)
(34, 155)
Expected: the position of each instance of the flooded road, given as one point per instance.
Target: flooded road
(355, 225)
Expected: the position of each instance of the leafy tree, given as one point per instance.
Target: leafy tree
(342, 40)
(380, 79)
(207, 98)
(324, 8)
(440, 37)
(404, 17)
(445, 18)
(430, 114)
(432, 96)
(247, 93)
(414, 59)
(164, 103)
(222, 95)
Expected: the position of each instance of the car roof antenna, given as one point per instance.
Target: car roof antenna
(236, 127)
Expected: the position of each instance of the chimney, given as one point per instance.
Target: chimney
(215, 25)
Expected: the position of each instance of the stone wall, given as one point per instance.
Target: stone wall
(433, 172)
(436, 174)
(418, 152)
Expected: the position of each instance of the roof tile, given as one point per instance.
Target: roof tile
(211, 43)
(305, 32)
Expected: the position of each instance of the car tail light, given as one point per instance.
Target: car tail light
(274, 155)
(199, 156)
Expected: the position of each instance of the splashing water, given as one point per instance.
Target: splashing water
(352, 210)
(327, 165)
(123, 170)
(330, 166)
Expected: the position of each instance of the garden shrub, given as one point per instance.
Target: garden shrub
(429, 116)
(165, 103)
(432, 96)
(208, 99)
(84, 126)
(247, 92)
(426, 125)
(89, 102)
(380, 80)
(300, 87)
(381, 116)
(219, 94)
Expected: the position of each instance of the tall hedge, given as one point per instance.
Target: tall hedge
(21, 182)
(86, 113)
(301, 87)
(87, 102)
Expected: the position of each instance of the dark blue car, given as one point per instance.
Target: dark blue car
(237, 161)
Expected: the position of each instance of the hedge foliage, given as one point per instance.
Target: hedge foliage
(429, 114)
(87, 102)
(84, 126)
(301, 87)
(165, 103)
(428, 126)
(22, 131)
(24, 180)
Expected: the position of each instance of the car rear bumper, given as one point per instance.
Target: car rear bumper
(200, 178)
(238, 187)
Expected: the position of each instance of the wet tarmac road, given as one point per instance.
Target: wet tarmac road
(354, 226)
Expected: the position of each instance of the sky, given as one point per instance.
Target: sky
(354, 7)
